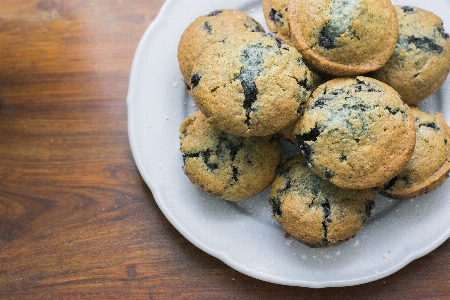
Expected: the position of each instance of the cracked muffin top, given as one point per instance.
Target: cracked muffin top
(356, 132)
(421, 59)
(344, 37)
(429, 165)
(208, 29)
(314, 211)
(251, 84)
(224, 165)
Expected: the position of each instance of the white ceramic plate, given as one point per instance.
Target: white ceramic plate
(244, 234)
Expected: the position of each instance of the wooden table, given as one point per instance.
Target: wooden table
(76, 219)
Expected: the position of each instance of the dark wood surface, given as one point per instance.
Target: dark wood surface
(76, 219)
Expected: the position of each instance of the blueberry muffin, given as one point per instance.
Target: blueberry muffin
(208, 29)
(356, 132)
(314, 211)
(275, 14)
(224, 165)
(421, 59)
(344, 37)
(252, 84)
(429, 165)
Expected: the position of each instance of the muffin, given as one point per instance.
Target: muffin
(429, 165)
(421, 59)
(252, 84)
(227, 166)
(314, 211)
(356, 132)
(344, 37)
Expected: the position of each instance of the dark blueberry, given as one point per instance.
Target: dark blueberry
(252, 59)
(371, 88)
(365, 87)
(369, 206)
(215, 13)
(207, 27)
(392, 111)
(343, 158)
(251, 94)
(425, 44)
(359, 81)
(206, 157)
(447, 174)
(325, 41)
(390, 184)
(229, 145)
(275, 203)
(326, 211)
(189, 155)
(276, 17)
(359, 87)
(279, 42)
(337, 91)
(358, 107)
(235, 177)
(302, 140)
(328, 174)
(327, 219)
(195, 80)
(311, 135)
(430, 125)
(440, 29)
(286, 186)
(303, 83)
(408, 9)
(327, 37)
(285, 172)
(321, 102)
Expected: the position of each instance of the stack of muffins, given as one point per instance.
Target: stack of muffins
(341, 79)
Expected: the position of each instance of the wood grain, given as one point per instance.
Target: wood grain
(76, 219)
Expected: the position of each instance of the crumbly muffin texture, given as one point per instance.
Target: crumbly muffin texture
(421, 59)
(209, 29)
(252, 84)
(314, 211)
(429, 165)
(224, 165)
(350, 132)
